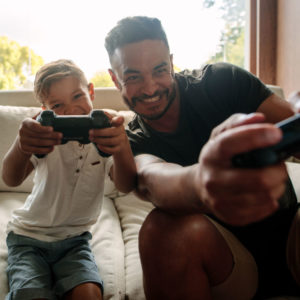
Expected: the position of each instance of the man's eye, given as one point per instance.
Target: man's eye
(132, 78)
(161, 71)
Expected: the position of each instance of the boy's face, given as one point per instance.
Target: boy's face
(68, 96)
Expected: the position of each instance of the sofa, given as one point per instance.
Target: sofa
(115, 235)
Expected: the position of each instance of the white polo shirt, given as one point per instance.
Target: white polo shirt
(67, 195)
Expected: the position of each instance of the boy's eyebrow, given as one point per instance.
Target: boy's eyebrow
(131, 71)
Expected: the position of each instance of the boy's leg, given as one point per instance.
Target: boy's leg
(76, 272)
(29, 275)
(87, 290)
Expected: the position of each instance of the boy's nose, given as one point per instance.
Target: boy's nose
(71, 110)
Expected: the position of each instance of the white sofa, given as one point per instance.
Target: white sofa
(115, 235)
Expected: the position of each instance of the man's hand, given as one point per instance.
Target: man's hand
(239, 196)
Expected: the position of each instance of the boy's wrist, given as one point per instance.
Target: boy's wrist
(19, 146)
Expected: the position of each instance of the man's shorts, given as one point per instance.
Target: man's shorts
(243, 282)
(38, 269)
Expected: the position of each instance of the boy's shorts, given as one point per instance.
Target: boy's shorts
(38, 269)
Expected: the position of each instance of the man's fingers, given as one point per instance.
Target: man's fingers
(245, 138)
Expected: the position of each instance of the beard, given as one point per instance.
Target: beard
(170, 95)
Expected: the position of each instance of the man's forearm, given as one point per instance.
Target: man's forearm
(168, 186)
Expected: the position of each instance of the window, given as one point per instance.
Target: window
(35, 32)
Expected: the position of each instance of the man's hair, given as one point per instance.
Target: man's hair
(134, 29)
(55, 71)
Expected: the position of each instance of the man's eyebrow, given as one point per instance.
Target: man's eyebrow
(163, 64)
(131, 71)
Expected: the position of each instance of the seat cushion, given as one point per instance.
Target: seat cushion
(107, 245)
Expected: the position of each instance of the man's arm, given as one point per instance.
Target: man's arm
(168, 186)
(236, 196)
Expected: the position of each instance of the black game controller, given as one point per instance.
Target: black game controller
(289, 145)
(74, 127)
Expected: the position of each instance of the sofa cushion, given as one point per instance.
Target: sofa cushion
(107, 245)
(10, 120)
(132, 212)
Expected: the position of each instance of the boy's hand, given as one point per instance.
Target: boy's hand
(110, 140)
(37, 139)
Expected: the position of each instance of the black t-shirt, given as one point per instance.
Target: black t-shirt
(208, 97)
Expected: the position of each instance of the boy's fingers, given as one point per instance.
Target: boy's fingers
(117, 121)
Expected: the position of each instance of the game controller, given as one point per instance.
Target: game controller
(262, 157)
(74, 127)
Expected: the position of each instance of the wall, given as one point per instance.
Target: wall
(288, 45)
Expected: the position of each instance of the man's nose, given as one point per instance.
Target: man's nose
(149, 85)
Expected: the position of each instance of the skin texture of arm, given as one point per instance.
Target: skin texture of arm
(16, 165)
(154, 175)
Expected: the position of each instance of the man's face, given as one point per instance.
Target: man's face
(143, 72)
(68, 96)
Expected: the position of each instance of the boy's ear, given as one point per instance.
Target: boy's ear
(114, 79)
(91, 91)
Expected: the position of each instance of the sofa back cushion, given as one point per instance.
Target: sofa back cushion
(10, 120)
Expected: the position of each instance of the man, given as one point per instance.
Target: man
(218, 232)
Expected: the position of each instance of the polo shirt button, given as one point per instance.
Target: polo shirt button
(77, 171)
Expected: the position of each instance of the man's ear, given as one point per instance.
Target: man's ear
(91, 91)
(172, 66)
(114, 79)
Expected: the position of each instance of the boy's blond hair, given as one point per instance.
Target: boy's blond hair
(52, 72)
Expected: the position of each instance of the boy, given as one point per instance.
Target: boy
(48, 251)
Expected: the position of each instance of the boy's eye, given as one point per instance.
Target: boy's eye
(78, 96)
(55, 106)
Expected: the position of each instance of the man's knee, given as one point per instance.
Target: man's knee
(167, 230)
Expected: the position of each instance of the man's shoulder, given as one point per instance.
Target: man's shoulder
(219, 68)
